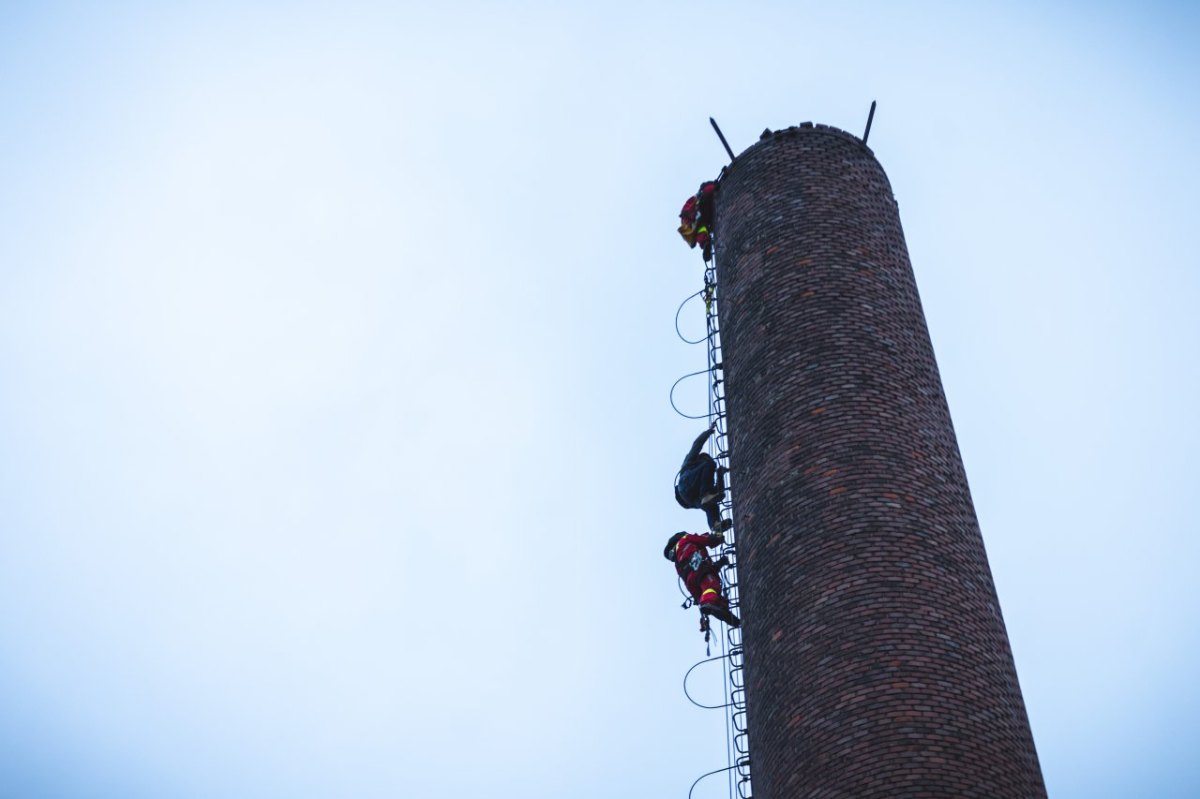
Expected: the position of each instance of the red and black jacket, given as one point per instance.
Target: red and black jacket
(691, 556)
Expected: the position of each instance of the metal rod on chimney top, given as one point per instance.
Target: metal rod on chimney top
(870, 117)
(721, 136)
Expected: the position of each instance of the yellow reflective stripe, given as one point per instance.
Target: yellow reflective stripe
(708, 591)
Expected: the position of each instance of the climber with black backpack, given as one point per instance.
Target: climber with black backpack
(700, 483)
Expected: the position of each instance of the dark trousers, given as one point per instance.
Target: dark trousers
(702, 480)
(713, 511)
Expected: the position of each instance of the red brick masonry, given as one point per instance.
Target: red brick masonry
(876, 658)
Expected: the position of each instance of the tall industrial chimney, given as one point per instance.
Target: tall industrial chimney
(877, 663)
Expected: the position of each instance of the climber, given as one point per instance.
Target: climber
(701, 574)
(696, 218)
(706, 202)
(700, 483)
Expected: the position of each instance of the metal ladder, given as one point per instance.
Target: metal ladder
(732, 653)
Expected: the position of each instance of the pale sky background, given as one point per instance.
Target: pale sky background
(335, 341)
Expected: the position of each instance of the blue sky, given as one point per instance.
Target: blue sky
(335, 450)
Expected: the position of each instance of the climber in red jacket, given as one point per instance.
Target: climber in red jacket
(696, 218)
(701, 574)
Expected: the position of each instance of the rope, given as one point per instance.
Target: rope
(709, 774)
(676, 384)
(691, 698)
(679, 310)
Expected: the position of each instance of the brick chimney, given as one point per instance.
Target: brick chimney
(877, 663)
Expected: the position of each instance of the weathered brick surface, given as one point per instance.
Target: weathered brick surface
(876, 657)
